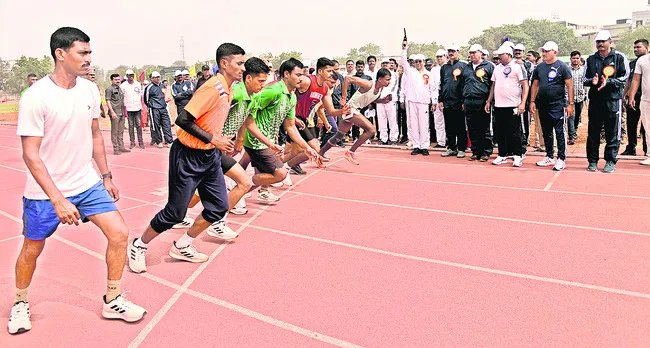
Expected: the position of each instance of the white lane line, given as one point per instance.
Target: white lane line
(10, 238)
(552, 181)
(12, 168)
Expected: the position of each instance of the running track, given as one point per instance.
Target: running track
(397, 252)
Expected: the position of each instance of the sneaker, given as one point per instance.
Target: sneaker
(461, 154)
(571, 142)
(160, 146)
(221, 231)
(415, 152)
(546, 162)
(248, 195)
(609, 167)
(277, 184)
(125, 150)
(264, 195)
(474, 158)
(297, 170)
(424, 152)
(186, 223)
(132, 146)
(287, 180)
(142, 146)
(350, 156)
(189, 253)
(137, 258)
(559, 165)
(121, 308)
(117, 153)
(628, 153)
(440, 146)
(239, 210)
(19, 320)
(484, 158)
(646, 162)
(593, 167)
(393, 143)
(517, 161)
(500, 160)
(449, 153)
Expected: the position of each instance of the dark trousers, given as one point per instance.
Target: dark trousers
(607, 114)
(633, 117)
(401, 123)
(160, 126)
(574, 120)
(191, 170)
(552, 119)
(508, 131)
(432, 127)
(135, 125)
(117, 132)
(455, 129)
(478, 124)
(525, 127)
(325, 136)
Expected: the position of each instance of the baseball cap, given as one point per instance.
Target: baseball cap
(509, 43)
(549, 46)
(412, 57)
(603, 35)
(177, 73)
(205, 67)
(503, 50)
(129, 72)
(155, 74)
(486, 52)
(420, 57)
(429, 61)
(185, 72)
(385, 60)
(519, 47)
(453, 47)
(475, 48)
(441, 52)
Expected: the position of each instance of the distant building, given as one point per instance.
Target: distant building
(621, 26)
(580, 29)
(640, 18)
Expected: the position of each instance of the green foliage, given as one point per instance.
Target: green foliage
(429, 50)
(626, 40)
(17, 78)
(364, 51)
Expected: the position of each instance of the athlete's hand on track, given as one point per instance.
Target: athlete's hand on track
(67, 212)
(300, 124)
(312, 153)
(277, 149)
(112, 189)
(224, 144)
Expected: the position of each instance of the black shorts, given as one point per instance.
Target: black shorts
(308, 133)
(227, 163)
(264, 160)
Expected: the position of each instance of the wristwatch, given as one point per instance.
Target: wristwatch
(108, 175)
(571, 103)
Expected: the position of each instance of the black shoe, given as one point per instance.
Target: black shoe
(125, 150)
(415, 152)
(439, 147)
(474, 158)
(424, 152)
(383, 143)
(628, 153)
(484, 158)
(117, 153)
(340, 144)
(403, 141)
(297, 170)
(571, 142)
(393, 143)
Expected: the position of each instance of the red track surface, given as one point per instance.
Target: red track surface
(396, 252)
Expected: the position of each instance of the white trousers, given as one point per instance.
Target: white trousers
(439, 119)
(387, 118)
(645, 118)
(418, 120)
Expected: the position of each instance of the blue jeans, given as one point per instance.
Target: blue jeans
(327, 135)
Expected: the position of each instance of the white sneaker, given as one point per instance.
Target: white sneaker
(518, 161)
(278, 184)
(19, 320)
(287, 181)
(221, 231)
(186, 223)
(248, 195)
(546, 162)
(646, 162)
(121, 308)
(230, 183)
(264, 195)
(239, 210)
(137, 258)
(559, 165)
(189, 253)
(500, 160)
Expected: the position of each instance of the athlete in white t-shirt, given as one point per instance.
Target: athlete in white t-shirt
(60, 135)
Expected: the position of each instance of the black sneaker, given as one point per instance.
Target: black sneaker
(484, 158)
(474, 158)
(415, 152)
(439, 147)
(297, 170)
(628, 153)
(424, 152)
(393, 143)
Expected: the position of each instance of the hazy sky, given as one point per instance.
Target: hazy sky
(138, 32)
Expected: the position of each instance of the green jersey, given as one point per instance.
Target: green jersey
(23, 91)
(238, 110)
(269, 109)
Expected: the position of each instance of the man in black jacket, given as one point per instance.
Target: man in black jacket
(450, 102)
(154, 98)
(477, 81)
(607, 72)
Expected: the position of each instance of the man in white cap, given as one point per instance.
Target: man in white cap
(387, 109)
(132, 91)
(477, 82)
(549, 80)
(438, 116)
(182, 90)
(509, 92)
(606, 74)
(420, 88)
(518, 51)
(154, 98)
(451, 103)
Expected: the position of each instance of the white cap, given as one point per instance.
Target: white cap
(129, 72)
(550, 46)
(177, 73)
(412, 57)
(475, 48)
(155, 74)
(453, 47)
(420, 57)
(385, 60)
(509, 43)
(504, 49)
(603, 35)
(520, 47)
(486, 52)
(441, 52)
(185, 72)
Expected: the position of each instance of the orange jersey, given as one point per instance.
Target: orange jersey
(209, 105)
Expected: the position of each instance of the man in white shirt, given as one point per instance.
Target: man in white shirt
(641, 80)
(59, 129)
(438, 116)
(132, 91)
(420, 89)
(387, 109)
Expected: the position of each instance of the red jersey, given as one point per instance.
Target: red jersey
(311, 97)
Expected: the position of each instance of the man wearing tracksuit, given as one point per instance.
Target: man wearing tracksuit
(154, 98)
(451, 104)
(477, 81)
(606, 74)
(182, 91)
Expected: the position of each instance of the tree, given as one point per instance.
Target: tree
(5, 72)
(429, 50)
(277, 60)
(626, 39)
(179, 63)
(363, 52)
(25, 66)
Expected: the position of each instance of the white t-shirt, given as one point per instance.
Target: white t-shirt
(132, 95)
(507, 89)
(63, 118)
(642, 68)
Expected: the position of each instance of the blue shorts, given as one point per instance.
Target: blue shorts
(40, 220)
